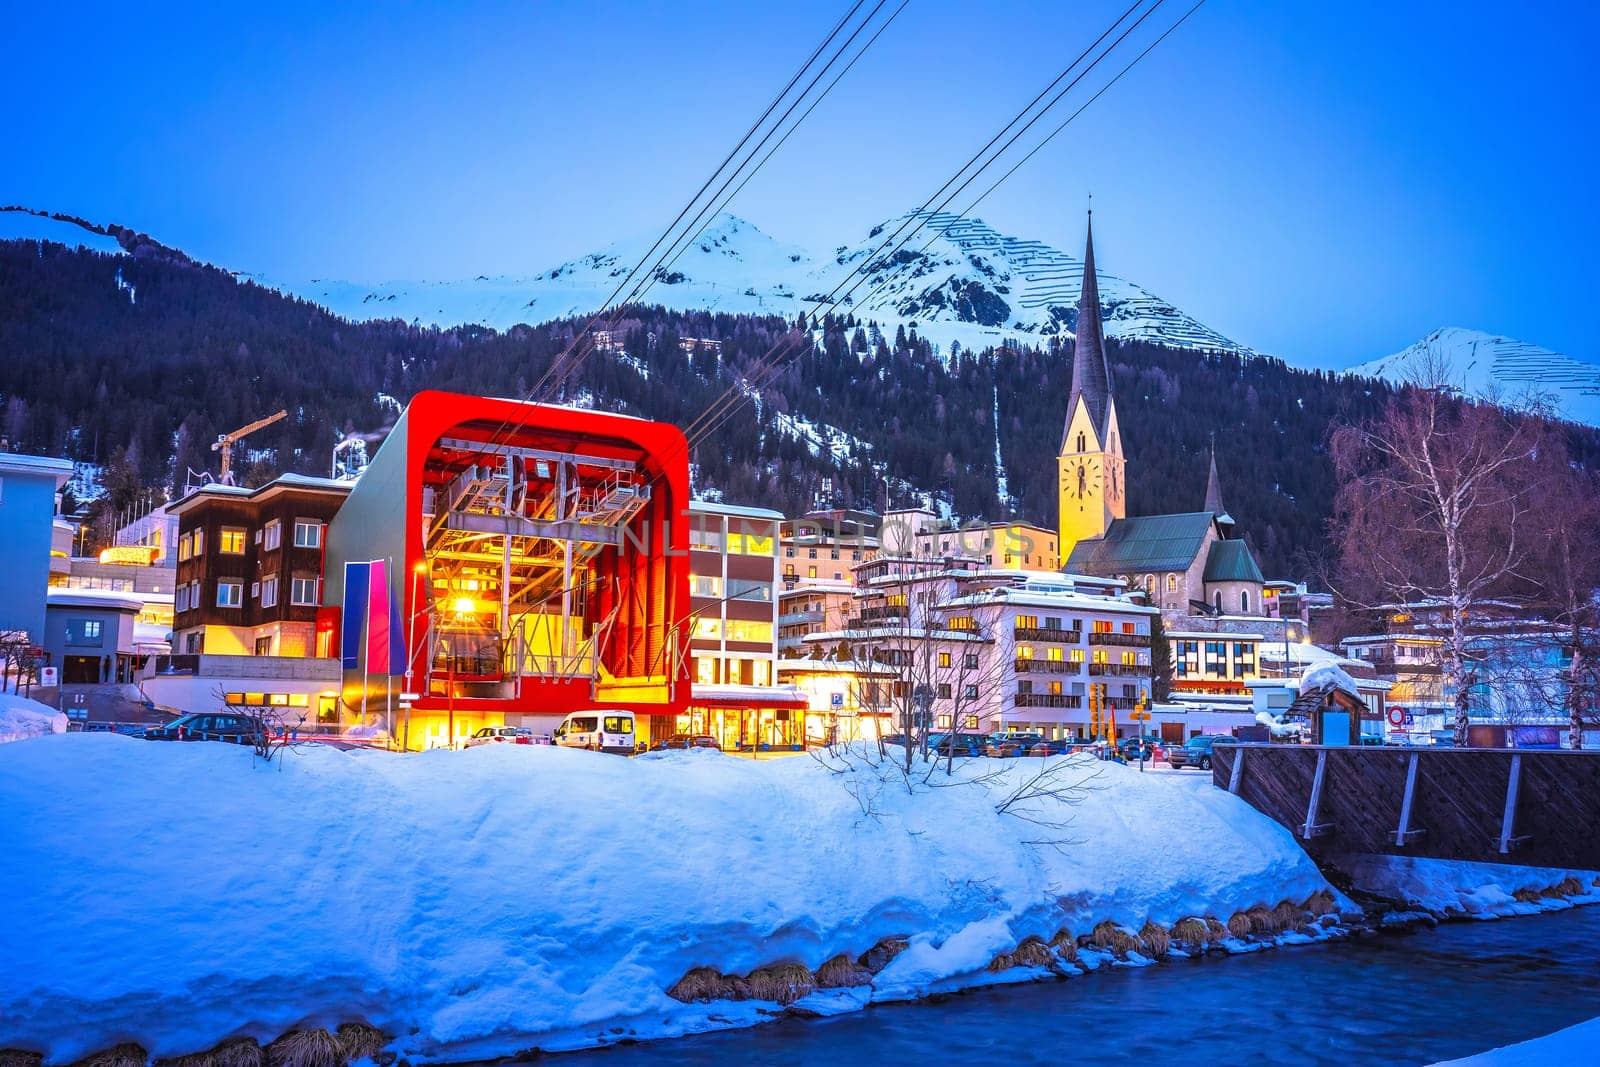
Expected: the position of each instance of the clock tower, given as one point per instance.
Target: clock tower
(1091, 476)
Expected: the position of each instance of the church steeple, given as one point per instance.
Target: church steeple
(1214, 495)
(1091, 379)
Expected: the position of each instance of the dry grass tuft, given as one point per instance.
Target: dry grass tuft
(1288, 915)
(1116, 938)
(1527, 896)
(1033, 952)
(1064, 944)
(361, 1041)
(702, 983)
(125, 1055)
(1239, 924)
(1191, 931)
(16, 1057)
(1567, 887)
(234, 1052)
(879, 956)
(1155, 938)
(1216, 929)
(842, 971)
(784, 983)
(1264, 922)
(306, 1048)
(1320, 903)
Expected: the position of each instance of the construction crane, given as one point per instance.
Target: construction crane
(224, 443)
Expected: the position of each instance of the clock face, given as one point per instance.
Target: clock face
(1081, 478)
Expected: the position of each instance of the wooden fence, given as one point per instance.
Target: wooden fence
(1535, 807)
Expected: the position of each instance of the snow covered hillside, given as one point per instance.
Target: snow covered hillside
(16, 225)
(487, 902)
(1484, 363)
(957, 279)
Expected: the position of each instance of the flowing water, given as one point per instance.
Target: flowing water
(1408, 998)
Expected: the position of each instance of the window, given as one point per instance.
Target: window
(269, 592)
(183, 547)
(1026, 651)
(1027, 622)
(232, 541)
(944, 690)
(264, 648)
(811, 572)
(962, 622)
(970, 661)
(84, 632)
(1244, 602)
(749, 544)
(970, 692)
(199, 542)
(944, 659)
(303, 592)
(745, 630)
(1172, 583)
(1077, 655)
(180, 600)
(271, 535)
(1102, 626)
(1127, 627)
(1219, 602)
(307, 533)
(230, 594)
(705, 585)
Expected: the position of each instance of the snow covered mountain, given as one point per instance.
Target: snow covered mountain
(956, 279)
(1488, 364)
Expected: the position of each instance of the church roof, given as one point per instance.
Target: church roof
(1143, 543)
(1091, 377)
(1231, 561)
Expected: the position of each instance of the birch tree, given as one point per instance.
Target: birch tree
(1432, 506)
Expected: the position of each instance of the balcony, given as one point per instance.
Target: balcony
(1120, 670)
(797, 618)
(1048, 700)
(1047, 666)
(1046, 633)
(881, 615)
(1121, 640)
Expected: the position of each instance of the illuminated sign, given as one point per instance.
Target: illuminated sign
(131, 555)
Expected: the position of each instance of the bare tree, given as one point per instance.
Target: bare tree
(1431, 507)
(273, 727)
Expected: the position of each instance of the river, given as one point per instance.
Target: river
(1406, 998)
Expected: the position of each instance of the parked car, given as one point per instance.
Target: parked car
(1011, 743)
(500, 735)
(1051, 747)
(677, 741)
(962, 744)
(1196, 752)
(207, 726)
(1129, 747)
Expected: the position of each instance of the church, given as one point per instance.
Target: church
(1188, 563)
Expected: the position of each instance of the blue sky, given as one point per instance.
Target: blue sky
(1325, 182)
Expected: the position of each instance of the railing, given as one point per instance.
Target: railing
(795, 618)
(1048, 700)
(1124, 640)
(1046, 633)
(1047, 666)
(1121, 670)
(881, 614)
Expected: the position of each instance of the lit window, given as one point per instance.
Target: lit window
(199, 542)
(232, 541)
(230, 594)
(307, 534)
(944, 659)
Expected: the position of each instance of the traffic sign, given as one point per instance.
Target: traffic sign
(410, 696)
(1397, 716)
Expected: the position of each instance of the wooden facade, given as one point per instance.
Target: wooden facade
(225, 536)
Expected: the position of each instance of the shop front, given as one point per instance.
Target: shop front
(748, 719)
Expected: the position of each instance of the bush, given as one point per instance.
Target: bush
(306, 1048)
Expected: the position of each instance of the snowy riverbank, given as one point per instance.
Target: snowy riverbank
(487, 902)
(1574, 1045)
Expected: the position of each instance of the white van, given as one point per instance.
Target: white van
(600, 730)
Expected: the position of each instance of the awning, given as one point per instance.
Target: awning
(746, 696)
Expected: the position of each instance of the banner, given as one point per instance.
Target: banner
(357, 577)
(379, 610)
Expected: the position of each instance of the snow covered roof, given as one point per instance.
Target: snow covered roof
(880, 633)
(16, 463)
(1048, 599)
(106, 599)
(710, 507)
(708, 693)
(813, 665)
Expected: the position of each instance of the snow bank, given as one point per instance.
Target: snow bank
(485, 902)
(1574, 1045)
(1460, 889)
(22, 718)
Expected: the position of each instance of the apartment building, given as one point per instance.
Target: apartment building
(989, 650)
(250, 567)
(825, 545)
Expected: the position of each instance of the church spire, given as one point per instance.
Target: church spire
(1214, 494)
(1091, 378)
